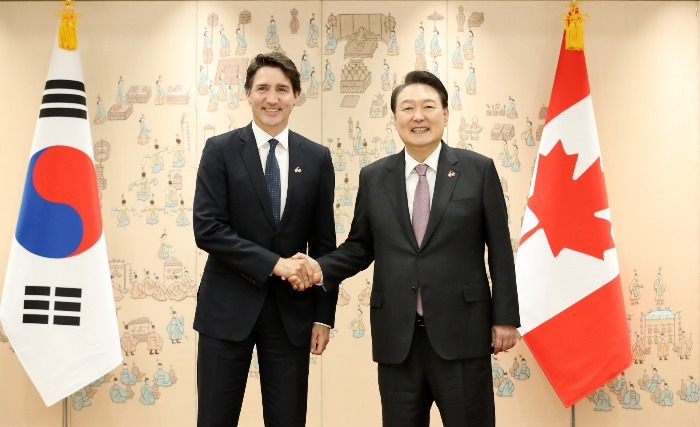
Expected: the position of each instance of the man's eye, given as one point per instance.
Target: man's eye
(407, 109)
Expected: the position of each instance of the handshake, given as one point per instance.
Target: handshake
(301, 271)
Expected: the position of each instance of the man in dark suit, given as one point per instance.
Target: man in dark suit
(263, 194)
(425, 216)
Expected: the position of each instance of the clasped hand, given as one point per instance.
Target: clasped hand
(301, 271)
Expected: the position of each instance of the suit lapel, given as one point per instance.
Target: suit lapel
(251, 160)
(447, 176)
(395, 185)
(297, 162)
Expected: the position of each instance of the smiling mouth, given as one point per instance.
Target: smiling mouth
(419, 130)
(272, 110)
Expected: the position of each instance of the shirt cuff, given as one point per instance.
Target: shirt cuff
(321, 282)
(322, 324)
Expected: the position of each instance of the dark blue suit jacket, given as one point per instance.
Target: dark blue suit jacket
(233, 223)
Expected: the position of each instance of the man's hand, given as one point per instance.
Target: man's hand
(314, 274)
(299, 269)
(503, 337)
(320, 335)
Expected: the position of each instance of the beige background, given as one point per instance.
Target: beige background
(643, 70)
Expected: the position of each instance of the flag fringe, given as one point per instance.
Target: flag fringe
(67, 34)
(573, 27)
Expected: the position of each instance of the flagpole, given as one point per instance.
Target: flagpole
(65, 412)
(573, 416)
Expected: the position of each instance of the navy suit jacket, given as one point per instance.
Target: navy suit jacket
(233, 223)
(467, 214)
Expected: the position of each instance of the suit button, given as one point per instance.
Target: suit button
(420, 257)
(413, 289)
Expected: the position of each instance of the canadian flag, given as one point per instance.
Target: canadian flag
(571, 304)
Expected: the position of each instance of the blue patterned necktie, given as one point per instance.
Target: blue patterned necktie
(272, 176)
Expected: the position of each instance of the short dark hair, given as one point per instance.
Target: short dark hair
(276, 60)
(423, 78)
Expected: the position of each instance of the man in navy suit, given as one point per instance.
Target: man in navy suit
(263, 194)
(425, 217)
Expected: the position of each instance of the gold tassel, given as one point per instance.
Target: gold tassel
(573, 27)
(67, 34)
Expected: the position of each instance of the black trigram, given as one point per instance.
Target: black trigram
(61, 309)
(64, 98)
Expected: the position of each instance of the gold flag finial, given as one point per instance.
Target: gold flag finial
(67, 35)
(573, 26)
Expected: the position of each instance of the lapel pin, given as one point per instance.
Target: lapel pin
(450, 174)
(297, 169)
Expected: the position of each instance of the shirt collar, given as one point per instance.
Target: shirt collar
(431, 161)
(262, 137)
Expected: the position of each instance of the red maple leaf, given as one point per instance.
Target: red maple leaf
(565, 207)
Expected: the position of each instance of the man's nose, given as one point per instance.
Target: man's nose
(418, 114)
